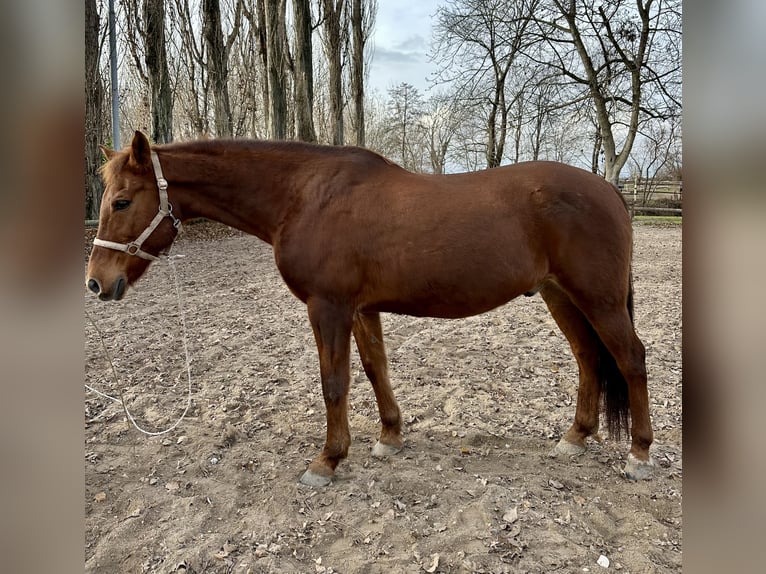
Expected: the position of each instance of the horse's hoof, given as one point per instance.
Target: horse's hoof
(566, 448)
(311, 478)
(636, 469)
(381, 450)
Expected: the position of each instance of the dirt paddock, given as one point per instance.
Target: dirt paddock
(484, 400)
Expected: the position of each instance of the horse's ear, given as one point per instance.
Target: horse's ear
(108, 153)
(140, 149)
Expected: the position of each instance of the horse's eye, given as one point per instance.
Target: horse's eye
(121, 204)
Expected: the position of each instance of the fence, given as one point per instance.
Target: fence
(652, 197)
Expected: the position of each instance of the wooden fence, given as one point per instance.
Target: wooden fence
(653, 197)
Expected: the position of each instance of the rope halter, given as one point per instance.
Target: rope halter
(165, 210)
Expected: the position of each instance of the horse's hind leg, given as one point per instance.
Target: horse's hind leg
(368, 334)
(585, 347)
(615, 328)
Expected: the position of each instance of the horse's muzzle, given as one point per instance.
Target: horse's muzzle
(114, 294)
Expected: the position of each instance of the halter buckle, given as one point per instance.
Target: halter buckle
(132, 248)
(174, 219)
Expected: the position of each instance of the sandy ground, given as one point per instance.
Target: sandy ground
(484, 400)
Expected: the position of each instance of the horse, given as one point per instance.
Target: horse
(355, 235)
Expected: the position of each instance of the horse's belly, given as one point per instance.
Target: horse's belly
(450, 300)
(459, 284)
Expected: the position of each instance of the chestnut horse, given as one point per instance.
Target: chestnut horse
(355, 235)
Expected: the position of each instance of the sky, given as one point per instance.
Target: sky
(401, 41)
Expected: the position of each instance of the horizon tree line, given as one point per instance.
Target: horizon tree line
(577, 81)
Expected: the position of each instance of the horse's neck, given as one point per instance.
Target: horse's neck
(248, 188)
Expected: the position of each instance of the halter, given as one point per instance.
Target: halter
(165, 210)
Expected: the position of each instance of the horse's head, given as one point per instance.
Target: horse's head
(135, 222)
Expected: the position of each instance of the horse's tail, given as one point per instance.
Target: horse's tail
(614, 387)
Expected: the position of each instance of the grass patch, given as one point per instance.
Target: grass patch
(659, 219)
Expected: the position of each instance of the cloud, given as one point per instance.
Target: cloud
(385, 56)
(414, 43)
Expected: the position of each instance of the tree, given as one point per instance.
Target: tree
(274, 12)
(362, 22)
(654, 158)
(303, 71)
(477, 44)
(217, 62)
(624, 55)
(255, 14)
(376, 112)
(94, 100)
(405, 110)
(191, 82)
(469, 146)
(440, 121)
(157, 67)
(333, 45)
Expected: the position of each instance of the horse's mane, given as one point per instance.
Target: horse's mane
(285, 146)
(112, 168)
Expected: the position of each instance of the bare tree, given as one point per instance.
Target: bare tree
(625, 55)
(441, 117)
(157, 68)
(469, 148)
(654, 158)
(94, 100)
(276, 58)
(375, 116)
(135, 35)
(217, 62)
(362, 21)
(404, 128)
(303, 71)
(333, 11)
(549, 132)
(135, 89)
(477, 43)
(247, 76)
(254, 11)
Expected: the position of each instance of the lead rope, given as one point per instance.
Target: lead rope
(170, 259)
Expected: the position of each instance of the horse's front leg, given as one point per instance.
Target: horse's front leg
(368, 334)
(331, 324)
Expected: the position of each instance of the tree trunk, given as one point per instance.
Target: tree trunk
(94, 99)
(357, 70)
(257, 37)
(333, 13)
(275, 58)
(596, 150)
(303, 72)
(195, 81)
(217, 65)
(157, 67)
(491, 135)
(496, 134)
